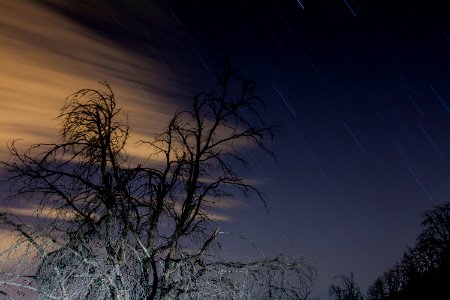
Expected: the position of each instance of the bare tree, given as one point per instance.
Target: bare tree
(345, 288)
(110, 229)
(389, 285)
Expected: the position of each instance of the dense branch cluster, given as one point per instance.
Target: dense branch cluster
(109, 228)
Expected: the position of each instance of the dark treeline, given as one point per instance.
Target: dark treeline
(423, 272)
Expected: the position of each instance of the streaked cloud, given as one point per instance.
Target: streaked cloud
(46, 57)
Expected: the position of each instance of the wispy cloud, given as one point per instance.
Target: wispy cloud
(46, 57)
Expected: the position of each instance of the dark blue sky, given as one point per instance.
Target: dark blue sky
(361, 90)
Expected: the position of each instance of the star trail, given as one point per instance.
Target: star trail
(359, 88)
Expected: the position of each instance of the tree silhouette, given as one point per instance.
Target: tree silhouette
(424, 271)
(377, 291)
(110, 229)
(345, 288)
(389, 285)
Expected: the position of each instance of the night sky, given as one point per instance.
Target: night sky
(360, 89)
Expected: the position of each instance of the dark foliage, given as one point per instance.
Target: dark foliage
(424, 271)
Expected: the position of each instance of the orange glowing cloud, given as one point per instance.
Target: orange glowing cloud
(46, 57)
